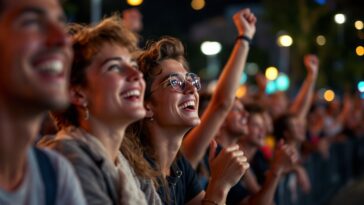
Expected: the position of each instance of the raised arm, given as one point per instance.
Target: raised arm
(303, 100)
(197, 141)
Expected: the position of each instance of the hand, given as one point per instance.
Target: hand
(312, 64)
(244, 21)
(284, 158)
(228, 167)
(262, 81)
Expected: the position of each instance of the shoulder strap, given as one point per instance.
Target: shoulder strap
(49, 176)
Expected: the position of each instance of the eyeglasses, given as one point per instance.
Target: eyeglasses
(178, 82)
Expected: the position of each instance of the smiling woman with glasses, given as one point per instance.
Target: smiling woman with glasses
(171, 103)
(178, 82)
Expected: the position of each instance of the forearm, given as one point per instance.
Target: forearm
(197, 141)
(303, 100)
(266, 194)
(229, 79)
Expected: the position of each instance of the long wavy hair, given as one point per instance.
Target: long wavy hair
(149, 64)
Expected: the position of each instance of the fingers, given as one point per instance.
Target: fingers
(236, 158)
(245, 22)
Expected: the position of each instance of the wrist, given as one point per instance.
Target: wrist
(216, 192)
(276, 172)
(244, 38)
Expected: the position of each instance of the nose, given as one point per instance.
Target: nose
(57, 35)
(133, 74)
(189, 88)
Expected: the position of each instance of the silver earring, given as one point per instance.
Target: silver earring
(87, 113)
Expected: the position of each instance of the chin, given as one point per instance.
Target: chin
(57, 104)
(137, 115)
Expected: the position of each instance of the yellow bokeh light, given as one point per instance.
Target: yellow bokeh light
(359, 25)
(285, 40)
(271, 73)
(329, 95)
(241, 92)
(321, 40)
(198, 4)
(134, 2)
(359, 51)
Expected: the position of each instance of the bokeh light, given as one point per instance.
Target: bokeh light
(282, 82)
(359, 50)
(359, 25)
(244, 78)
(285, 40)
(329, 95)
(321, 40)
(198, 4)
(271, 73)
(210, 48)
(251, 68)
(241, 92)
(271, 87)
(361, 86)
(340, 18)
(134, 2)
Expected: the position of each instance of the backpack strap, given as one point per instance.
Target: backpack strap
(49, 176)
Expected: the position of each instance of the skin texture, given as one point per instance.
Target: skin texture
(32, 40)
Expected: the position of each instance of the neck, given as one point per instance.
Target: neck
(17, 131)
(166, 143)
(109, 136)
(225, 139)
(248, 149)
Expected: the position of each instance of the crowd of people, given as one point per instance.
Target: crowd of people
(127, 128)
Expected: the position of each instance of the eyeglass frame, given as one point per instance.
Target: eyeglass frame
(168, 82)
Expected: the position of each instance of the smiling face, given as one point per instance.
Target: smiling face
(257, 134)
(35, 54)
(114, 88)
(170, 107)
(236, 121)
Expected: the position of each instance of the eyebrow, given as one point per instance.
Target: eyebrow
(167, 76)
(40, 12)
(110, 59)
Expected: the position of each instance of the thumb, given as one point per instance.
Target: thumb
(212, 151)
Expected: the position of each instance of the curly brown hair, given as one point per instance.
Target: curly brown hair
(156, 52)
(88, 40)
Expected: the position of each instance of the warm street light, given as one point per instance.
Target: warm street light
(359, 51)
(210, 48)
(329, 95)
(271, 73)
(285, 40)
(198, 4)
(134, 2)
(340, 18)
(321, 40)
(359, 25)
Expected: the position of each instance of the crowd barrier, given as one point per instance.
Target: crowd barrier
(327, 176)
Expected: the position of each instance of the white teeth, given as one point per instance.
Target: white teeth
(186, 104)
(53, 67)
(131, 93)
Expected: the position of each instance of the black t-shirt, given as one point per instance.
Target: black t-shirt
(238, 192)
(183, 183)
